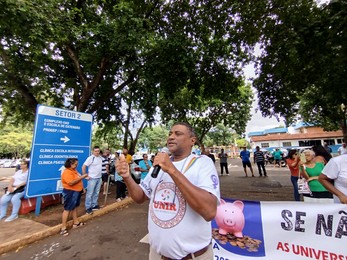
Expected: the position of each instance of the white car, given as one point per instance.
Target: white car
(134, 170)
(15, 163)
(2, 162)
(7, 163)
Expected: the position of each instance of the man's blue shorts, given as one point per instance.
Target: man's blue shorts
(72, 199)
(246, 163)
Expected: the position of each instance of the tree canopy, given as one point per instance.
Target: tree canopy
(231, 107)
(184, 57)
(15, 141)
(302, 68)
(89, 55)
(221, 135)
(154, 138)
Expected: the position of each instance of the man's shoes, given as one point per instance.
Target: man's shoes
(227, 174)
(95, 208)
(118, 200)
(89, 211)
(11, 218)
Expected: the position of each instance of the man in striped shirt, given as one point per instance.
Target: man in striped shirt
(260, 160)
(105, 170)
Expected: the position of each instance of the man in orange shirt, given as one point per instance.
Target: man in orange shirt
(128, 157)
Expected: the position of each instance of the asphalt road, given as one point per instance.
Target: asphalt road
(117, 234)
(4, 173)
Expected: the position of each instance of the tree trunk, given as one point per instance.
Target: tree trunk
(344, 130)
(132, 147)
(126, 126)
(202, 147)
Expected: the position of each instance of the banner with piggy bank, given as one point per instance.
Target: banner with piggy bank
(279, 230)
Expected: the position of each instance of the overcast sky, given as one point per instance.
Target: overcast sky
(257, 122)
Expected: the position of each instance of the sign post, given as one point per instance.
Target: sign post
(59, 134)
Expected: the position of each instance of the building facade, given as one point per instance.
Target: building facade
(301, 135)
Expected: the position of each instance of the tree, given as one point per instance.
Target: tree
(303, 64)
(208, 141)
(243, 143)
(325, 100)
(108, 136)
(230, 108)
(74, 54)
(15, 141)
(221, 135)
(83, 54)
(154, 138)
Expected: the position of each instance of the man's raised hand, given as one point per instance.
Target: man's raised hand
(122, 167)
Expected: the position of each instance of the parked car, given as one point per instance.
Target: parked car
(2, 162)
(7, 163)
(134, 170)
(15, 163)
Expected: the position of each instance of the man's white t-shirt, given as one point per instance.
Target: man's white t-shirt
(336, 169)
(175, 229)
(94, 164)
(342, 150)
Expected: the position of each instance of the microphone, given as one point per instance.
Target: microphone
(157, 168)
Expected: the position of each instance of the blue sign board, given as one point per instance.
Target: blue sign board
(59, 134)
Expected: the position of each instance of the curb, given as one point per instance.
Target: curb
(26, 240)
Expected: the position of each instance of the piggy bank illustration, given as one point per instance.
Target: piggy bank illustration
(230, 218)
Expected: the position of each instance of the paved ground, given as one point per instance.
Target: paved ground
(275, 187)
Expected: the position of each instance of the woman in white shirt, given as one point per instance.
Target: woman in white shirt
(14, 193)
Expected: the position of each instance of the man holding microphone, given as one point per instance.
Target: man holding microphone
(183, 198)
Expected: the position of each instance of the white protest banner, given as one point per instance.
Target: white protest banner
(280, 230)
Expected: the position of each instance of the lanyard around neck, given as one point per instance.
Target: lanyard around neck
(191, 162)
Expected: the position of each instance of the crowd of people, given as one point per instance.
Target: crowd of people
(309, 168)
(187, 181)
(325, 175)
